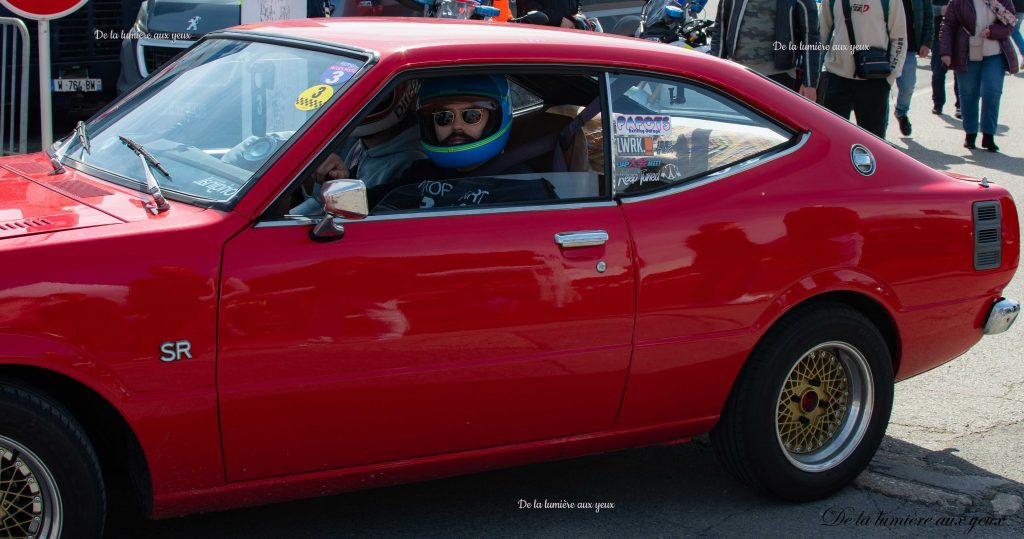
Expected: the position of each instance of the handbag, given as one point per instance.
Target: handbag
(975, 50)
(871, 63)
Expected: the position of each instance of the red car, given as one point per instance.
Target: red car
(636, 245)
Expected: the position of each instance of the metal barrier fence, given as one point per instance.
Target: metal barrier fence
(13, 104)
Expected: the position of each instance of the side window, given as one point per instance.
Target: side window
(463, 141)
(666, 133)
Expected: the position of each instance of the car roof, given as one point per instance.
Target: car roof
(474, 41)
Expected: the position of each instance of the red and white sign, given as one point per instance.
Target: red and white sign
(43, 9)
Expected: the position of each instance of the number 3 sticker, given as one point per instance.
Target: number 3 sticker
(339, 73)
(314, 97)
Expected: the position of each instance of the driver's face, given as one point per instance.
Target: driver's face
(459, 132)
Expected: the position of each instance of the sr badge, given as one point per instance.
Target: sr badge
(175, 350)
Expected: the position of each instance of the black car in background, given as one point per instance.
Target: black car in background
(163, 28)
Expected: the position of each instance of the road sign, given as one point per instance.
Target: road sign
(43, 9)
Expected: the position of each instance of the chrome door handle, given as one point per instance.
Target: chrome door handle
(588, 238)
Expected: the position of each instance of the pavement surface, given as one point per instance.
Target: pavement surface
(951, 465)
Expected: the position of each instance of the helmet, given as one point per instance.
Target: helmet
(389, 112)
(495, 134)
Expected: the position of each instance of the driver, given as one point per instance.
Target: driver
(386, 142)
(464, 124)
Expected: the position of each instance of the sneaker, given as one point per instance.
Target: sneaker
(904, 125)
(957, 113)
(937, 111)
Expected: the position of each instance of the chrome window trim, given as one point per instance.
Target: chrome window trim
(742, 166)
(140, 57)
(306, 221)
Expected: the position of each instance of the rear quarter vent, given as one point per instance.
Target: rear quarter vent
(988, 235)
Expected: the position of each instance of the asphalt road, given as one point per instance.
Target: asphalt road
(951, 465)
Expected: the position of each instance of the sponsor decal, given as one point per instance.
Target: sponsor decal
(670, 172)
(215, 186)
(642, 162)
(339, 73)
(631, 176)
(314, 97)
(635, 124)
(634, 145)
(663, 146)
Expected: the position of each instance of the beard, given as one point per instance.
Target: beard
(457, 139)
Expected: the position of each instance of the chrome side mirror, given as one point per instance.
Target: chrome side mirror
(343, 199)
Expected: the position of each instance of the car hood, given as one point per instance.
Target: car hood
(177, 16)
(34, 201)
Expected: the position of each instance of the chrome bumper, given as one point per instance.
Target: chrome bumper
(1001, 317)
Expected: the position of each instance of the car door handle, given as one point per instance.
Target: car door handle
(588, 238)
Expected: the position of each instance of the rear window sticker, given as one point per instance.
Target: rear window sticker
(639, 124)
(634, 145)
(641, 162)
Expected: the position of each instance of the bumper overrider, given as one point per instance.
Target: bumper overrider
(1001, 317)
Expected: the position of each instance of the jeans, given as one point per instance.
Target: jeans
(868, 99)
(939, 70)
(1016, 37)
(983, 81)
(905, 84)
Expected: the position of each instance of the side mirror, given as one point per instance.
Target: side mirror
(343, 199)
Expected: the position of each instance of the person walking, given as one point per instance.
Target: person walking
(940, 69)
(974, 41)
(920, 31)
(879, 37)
(777, 38)
(1015, 36)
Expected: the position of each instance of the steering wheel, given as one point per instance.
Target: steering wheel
(252, 152)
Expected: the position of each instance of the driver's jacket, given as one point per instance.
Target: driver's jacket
(796, 33)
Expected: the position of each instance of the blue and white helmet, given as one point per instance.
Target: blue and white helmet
(447, 89)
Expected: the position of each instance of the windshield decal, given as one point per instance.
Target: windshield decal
(339, 73)
(314, 97)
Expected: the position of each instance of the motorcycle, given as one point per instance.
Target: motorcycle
(491, 10)
(668, 21)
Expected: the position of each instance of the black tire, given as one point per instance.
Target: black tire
(48, 469)
(810, 406)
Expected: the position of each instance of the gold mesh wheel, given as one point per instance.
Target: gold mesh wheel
(28, 495)
(824, 406)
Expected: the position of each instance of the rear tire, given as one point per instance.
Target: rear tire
(50, 480)
(811, 405)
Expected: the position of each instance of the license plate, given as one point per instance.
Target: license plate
(77, 85)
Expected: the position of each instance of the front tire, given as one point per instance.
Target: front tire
(810, 407)
(50, 481)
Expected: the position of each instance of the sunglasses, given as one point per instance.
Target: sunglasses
(446, 117)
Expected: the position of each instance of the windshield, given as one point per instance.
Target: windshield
(216, 116)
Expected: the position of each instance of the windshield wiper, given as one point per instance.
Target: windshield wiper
(83, 139)
(152, 187)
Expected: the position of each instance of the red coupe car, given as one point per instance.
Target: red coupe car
(316, 256)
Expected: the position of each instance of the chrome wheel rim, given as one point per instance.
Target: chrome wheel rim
(824, 406)
(29, 500)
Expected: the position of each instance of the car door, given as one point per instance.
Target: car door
(422, 333)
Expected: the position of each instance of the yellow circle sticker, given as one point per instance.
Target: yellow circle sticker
(314, 97)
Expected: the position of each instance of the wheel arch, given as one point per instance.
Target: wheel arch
(122, 460)
(857, 289)
(869, 307)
